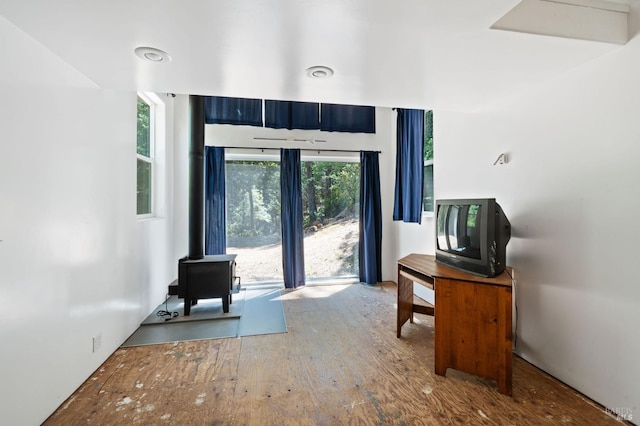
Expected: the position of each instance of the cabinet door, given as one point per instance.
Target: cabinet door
(473, 330)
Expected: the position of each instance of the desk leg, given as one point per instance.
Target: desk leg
(405, 301)
(442, 346)
(504, 375)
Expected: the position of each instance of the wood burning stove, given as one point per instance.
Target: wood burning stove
(209, 277)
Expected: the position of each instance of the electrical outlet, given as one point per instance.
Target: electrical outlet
(97, 342)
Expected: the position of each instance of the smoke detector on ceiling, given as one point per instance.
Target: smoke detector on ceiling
(152, 54)
(319, 72)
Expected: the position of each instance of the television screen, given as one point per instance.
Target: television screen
(459, 229)
(471, 235)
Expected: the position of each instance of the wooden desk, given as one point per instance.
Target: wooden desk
(472, 317)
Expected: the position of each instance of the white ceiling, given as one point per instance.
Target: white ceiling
(438, 54)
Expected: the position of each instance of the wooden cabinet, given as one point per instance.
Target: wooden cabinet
(472, 317)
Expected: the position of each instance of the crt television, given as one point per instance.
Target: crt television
(472, 235)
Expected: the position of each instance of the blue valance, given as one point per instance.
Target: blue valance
(240, 111)
(291, 115)
(348, 118)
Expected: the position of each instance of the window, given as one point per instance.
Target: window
(427, 201)
(145, 151)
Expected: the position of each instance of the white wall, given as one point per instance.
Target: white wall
(68, 268)
(571, 194)
(243, 136)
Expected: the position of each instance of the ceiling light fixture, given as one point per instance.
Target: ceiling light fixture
(152, 54)
(319, 72)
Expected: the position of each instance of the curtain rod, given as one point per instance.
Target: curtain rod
(301, 149)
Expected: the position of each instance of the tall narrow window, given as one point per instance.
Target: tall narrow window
(145, 148)
(427, 193)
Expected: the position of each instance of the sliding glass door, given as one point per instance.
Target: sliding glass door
(330, 193)
(253, 219)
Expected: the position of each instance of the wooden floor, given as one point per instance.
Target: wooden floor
(339, 363)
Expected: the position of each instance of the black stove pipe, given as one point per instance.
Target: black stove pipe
(196, 177)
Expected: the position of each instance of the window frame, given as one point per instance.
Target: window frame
(428, 162)
(425, 212)
(240, 154)
(148, 159)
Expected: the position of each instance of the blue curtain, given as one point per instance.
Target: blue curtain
(222, 110)
(347, 118)
(370, 243)
(215, 237)
(407, 204)
(291, 115)
(291, 222)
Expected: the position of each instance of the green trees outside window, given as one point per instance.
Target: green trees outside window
(427, 194)
(330, 193)
(144, 159)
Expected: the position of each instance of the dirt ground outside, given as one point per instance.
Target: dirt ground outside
(330, 251)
